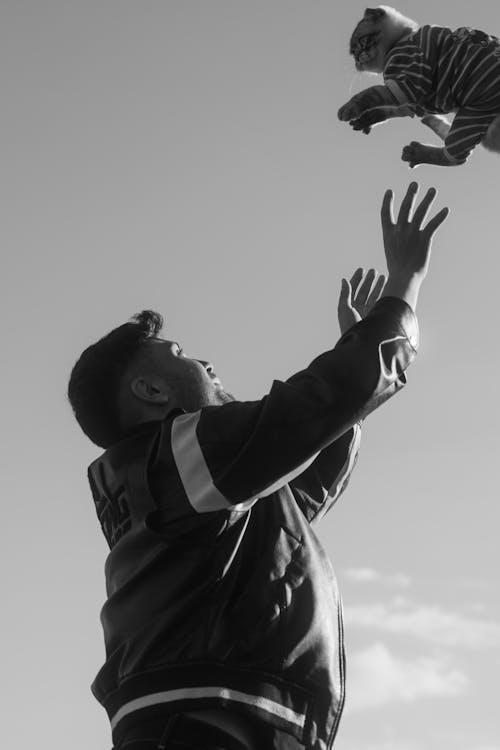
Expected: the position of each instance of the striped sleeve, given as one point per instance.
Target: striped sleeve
(229, 456)
(407, 73)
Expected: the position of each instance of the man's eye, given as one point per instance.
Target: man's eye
(180, 352)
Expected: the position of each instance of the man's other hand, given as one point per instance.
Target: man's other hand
(357, 297)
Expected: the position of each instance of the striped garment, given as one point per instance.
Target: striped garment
(441, 71)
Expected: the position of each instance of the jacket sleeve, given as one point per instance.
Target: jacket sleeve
(319, 487)
(234, 454)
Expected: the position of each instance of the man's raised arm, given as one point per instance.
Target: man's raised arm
(250, 449)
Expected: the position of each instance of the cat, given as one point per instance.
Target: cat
(429, 71)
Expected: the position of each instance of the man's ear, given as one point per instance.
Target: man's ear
(150, 388)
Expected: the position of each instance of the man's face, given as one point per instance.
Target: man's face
(193, 383)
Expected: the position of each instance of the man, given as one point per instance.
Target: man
(223, 623)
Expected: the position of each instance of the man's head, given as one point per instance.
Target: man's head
(133, 376)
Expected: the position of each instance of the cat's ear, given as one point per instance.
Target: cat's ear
(374, 14)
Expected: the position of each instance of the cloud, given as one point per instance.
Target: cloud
(369, 575)
(429, 623)
(376, 676)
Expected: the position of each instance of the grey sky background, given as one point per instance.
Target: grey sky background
(185, 156)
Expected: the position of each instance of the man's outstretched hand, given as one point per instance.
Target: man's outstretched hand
(358, 296)
(408, 243)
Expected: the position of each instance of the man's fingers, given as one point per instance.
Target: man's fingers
(356, 278)
(407, 203)
(377, 290)
(436, 222)
(363, 291)
(345, 298)
(386, 212)
(423, 207)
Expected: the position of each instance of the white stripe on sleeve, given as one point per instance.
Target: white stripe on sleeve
(191, 465)
(195, 475)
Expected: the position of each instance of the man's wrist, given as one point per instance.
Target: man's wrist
(405, 289)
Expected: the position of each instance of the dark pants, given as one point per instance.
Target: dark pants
(179, 733)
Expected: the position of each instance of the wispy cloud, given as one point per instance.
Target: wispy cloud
(369, 575)
(376, 676)
(430, 623)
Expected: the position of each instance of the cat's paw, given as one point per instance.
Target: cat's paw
(349, 111)
(361, 124)
(352, 113)
(413, 154)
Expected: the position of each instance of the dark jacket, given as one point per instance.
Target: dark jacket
(219, 592)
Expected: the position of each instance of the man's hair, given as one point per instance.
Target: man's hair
(95, 378)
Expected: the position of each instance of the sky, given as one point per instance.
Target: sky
(185, 156)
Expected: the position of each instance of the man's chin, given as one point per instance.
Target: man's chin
(225, 397)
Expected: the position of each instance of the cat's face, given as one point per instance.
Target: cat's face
(366, 43)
